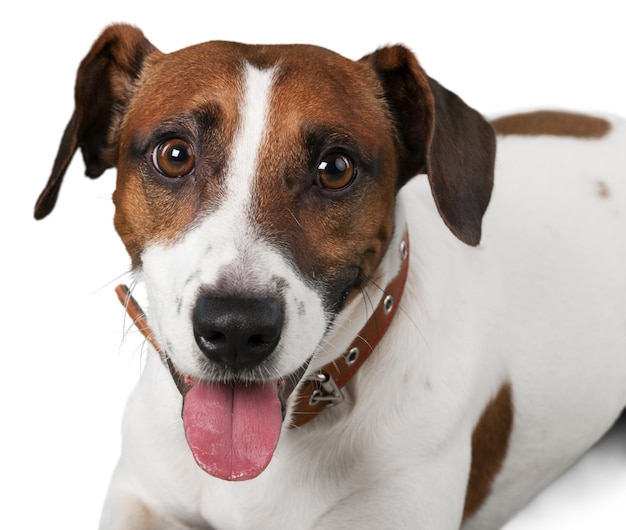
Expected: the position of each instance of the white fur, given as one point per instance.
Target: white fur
(540, 303)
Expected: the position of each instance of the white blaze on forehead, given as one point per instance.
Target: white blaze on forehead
(249, 138)
(220, 233)
(179, 269)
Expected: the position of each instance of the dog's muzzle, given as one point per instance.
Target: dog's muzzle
(232, 427)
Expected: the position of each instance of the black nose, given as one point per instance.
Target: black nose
(239, 332)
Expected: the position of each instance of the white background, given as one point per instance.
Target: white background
(66, 367)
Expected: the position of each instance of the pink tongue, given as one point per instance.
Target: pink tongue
(231, 430)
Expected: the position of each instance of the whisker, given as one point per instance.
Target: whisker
(294, 218)
(400, 309)
(134, 325)
(411, 320)
(116, 280)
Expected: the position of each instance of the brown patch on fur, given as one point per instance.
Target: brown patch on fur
(552, 123)
(204, 111)
(323, 105)
(490, 441)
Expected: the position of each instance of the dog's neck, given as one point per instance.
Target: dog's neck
(323, 387)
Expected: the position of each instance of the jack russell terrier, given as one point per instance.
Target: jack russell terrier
(340, 343)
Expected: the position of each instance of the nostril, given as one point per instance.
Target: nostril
(212, 340)
(259, 343)
(259, 340)
(239, 332)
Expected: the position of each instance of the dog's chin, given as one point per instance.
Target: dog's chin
(232, 426)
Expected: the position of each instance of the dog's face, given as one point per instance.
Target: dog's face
(255, 196)
(250, 190)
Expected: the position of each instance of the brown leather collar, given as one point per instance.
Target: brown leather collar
(323, 388)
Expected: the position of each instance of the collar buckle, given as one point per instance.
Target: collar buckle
(327, 391)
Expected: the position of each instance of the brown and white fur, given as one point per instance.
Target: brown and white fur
(507, 358)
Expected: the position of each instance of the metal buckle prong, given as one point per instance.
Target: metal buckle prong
(328, 391)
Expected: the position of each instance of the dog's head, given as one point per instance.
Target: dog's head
(255, 195)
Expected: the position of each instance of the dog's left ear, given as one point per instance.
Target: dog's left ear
(440, 135)
(104, 83)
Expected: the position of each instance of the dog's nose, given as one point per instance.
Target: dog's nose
(238, 332)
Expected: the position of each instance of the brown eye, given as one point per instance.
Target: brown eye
(335, 172)
(174, 158)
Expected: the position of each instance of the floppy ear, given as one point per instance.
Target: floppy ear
(440, 135)
(104, 84)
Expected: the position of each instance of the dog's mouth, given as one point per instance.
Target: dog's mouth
(233, 428)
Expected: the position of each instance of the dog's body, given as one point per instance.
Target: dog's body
(504, 363)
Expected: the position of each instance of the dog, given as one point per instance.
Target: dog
(354, 325)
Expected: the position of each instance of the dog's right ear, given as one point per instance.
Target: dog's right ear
(104, 84)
